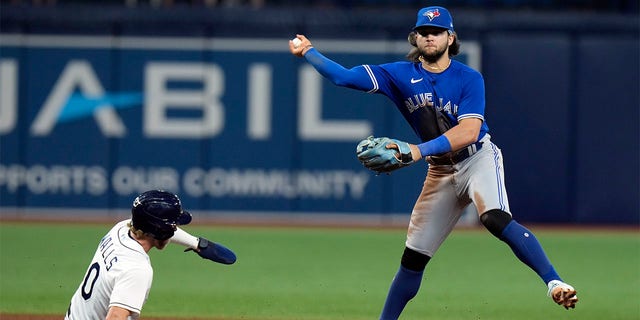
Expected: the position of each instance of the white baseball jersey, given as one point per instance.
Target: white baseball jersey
(120, 274)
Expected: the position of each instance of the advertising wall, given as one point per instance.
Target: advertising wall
(239, 125)
(229, 124)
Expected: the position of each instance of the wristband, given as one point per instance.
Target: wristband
(438, 145)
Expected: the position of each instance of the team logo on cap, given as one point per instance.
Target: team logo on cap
(431, 14)
(136, 202)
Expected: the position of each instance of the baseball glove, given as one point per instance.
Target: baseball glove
(374, 154)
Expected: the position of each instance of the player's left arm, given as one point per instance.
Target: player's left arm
(203, 247)
(459, 136)
(464, 133)
(185, 239)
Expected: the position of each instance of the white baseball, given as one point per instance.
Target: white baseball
(296, 42)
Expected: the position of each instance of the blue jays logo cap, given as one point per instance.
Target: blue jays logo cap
(434, 17)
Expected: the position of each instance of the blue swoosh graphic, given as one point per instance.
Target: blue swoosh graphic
(80, 106)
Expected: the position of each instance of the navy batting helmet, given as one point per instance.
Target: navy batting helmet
(157, 213)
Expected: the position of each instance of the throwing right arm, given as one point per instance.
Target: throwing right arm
(355, 78)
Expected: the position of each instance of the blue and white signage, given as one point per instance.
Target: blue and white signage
(228, 124)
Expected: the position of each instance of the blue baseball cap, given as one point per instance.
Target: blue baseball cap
(434, 17)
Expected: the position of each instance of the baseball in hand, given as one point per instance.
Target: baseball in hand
(296, 42)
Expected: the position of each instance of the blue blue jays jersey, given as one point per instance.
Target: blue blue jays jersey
(458, 92)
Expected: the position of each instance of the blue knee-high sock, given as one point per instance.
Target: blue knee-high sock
(527, 248)
(404, 287)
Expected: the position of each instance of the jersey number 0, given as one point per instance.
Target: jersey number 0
(90, 277)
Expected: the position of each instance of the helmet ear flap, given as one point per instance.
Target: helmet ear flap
(164, 231)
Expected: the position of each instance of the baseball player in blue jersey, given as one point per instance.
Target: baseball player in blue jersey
(117, 282)
(443, 101)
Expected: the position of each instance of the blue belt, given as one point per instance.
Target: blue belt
(456, 157)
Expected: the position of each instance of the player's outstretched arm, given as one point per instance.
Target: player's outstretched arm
(299, 45)
(203, 247)
(214, 252)
(355, 78)
(185, 239)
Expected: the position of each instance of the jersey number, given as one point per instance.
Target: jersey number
(90, 277)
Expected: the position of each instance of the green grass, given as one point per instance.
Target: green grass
(327, 274)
